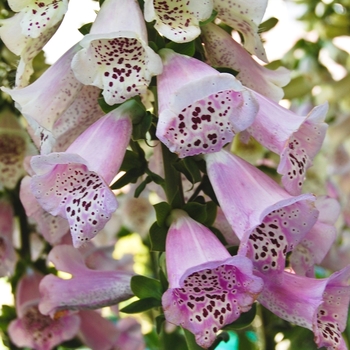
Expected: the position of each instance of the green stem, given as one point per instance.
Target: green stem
(173, 184)
(190, 341)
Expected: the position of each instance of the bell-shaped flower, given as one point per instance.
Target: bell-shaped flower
(293, 298)
(52, 228)
(74, 184)
(45, 100)
(200, 109)
(245, 17)
(8, 256)
(320, 305)
(208, 288)
(297, 139)
(26, 33)
(32, 329)
(267, 219)
(223, 51)
(87, 289)
(99, 333)
(14, 146)
(317, 242)
(115, 55)
(332, 314)
(178, 21)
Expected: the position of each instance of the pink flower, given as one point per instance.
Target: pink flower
(296, 139)
(115, 55)
(208, 288)
(222, 50)
(178, 21)
(74, 184)
(14, 146)
(87, 289)
(267, 219)
(99, 333)
(200, 109)
(31, 328)
(245, 17)
(317, 242)
(26, 33)
(8, 256)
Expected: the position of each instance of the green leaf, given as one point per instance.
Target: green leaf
(159, 322)
(130, 176)
(140, 129)
(105, 106)
(267, 25)
(196, 211)
(142, 186)
(85, 29)
(163, 210)
(141, 305)
(211, 209)
(157, 237)
(187, 49)
(131, 160)
(192, 168)
(145, 287)
(244, 320)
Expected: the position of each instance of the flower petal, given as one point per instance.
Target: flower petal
(70, 190)
(178, 20)
(247, 195)
(222, 50)
(209, 299)
(88, 289)
(200, 109)
(245, 17)
(302, 147)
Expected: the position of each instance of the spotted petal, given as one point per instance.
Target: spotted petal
(293, 298)
(116, 57)
(200, 110)
(88, 289)
(302, 147)
(26, 33)
(222, 50)
(247, 197)
(178, 20)
(69, 189)
(31, 328)
(245, 17)
(207, 288)
(331, 317)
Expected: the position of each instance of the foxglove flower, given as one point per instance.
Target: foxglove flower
(293, 298)
(267, 219)
(88, 289)
(297, 139)
(178, 20)
(26, 33)
(222, 50)
(99, 333)
(74, 184)
(245, 17)
(44, 101)
(14, 146)
(200, 109)
(332, 317)
(32, 329)
(115, 55)
(317, 242)
(8, 256)
(208, 288)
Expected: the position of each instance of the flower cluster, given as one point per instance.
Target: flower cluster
(149, 107)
